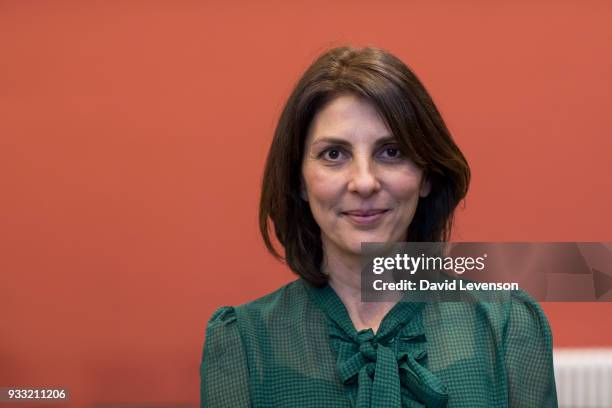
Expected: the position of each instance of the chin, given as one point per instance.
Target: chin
(355, 246)
(355, 249)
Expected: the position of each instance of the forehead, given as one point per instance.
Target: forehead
(348, 116)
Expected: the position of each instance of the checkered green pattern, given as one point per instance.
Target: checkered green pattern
(297, 347)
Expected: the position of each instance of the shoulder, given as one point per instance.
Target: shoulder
(515, 310)
(526, 319)
(222, 316)
(285, 303)
(221, 331)
(512, 314)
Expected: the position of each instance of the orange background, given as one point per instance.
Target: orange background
(133, 137)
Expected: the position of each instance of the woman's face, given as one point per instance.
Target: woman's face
(359, 186)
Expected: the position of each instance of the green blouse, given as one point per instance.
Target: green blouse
(297, 347)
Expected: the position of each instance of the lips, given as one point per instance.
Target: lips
(365, 217)
(364, 213)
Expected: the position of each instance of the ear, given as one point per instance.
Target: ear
(425, 187)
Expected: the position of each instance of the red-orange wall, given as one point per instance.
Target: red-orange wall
(132, 139)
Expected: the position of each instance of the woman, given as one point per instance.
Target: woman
(361, 154)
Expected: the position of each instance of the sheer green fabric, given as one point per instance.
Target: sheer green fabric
(297, 347)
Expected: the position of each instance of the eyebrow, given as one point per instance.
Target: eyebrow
(343, 142)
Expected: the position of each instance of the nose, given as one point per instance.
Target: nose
(363, 177)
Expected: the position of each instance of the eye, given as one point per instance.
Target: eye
(391, 152)
(332, 154)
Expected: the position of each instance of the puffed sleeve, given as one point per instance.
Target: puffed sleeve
(224, 377)
(529, 360)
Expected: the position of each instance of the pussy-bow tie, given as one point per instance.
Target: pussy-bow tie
(387, 369)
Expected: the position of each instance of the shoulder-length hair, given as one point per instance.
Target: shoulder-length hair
(410, 114)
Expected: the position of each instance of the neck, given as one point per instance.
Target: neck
(344, 272)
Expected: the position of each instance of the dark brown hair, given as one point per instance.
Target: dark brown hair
(409, 112)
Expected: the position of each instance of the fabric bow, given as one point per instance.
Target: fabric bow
(387, 369)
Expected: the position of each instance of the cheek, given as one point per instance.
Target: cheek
(405, 188)
(323, 189)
